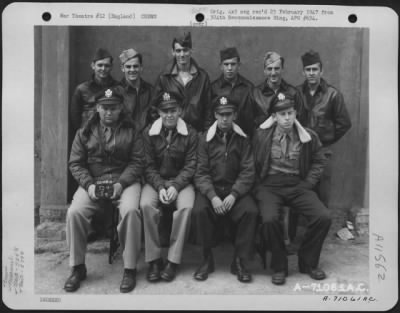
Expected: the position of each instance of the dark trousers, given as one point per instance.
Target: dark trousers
(271, 196)
(206, 223)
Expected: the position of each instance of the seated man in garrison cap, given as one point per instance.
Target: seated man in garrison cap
(83, 104)
(107, 149)
(274, 84)
(233, 85)
(170, 149)
(224, 176)
(183, 76)
(136, 92)
(323, 110)
(289, 161)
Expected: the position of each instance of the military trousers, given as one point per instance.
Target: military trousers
(271, 196)
(151, 208)
(243, 215)
(129, 228)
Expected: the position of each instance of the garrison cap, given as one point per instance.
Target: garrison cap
(281, 102)
(109, 96)
(127, 55)
(310, 57)
(224, 104)
(167, 100)
(271, 57)
(101, 54)
(185, 40)
(229, 53)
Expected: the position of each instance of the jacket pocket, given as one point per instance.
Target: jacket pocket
(325, 129)
(276, 152)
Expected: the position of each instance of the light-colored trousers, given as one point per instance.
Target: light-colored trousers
(129, 228)
(150, 207)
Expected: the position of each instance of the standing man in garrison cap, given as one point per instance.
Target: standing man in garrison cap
(184, 77)
(224, 177)
(170, 148)
(83, 104)
(273, 84)
(233, 85)
(324, 111)
(137, 93)
(108, 148)
(289, 161)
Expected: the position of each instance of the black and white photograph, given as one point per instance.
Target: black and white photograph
(230, 158)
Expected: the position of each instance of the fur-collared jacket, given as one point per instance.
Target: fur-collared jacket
(224, 169)
(173, 163)
(312, 156)
(89, 161)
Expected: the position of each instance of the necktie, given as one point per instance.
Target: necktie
(169, 136)
(224, 138)
(285, 144)
(107, 134)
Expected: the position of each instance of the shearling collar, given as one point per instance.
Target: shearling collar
(303, 134)
(181, 127)
(213, 130)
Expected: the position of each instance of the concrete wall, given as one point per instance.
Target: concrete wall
(344, 52)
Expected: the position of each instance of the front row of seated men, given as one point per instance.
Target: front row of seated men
(234, 180)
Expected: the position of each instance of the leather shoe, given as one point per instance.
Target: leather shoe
(153, 273)
(169, 272)
(238, 269)
(128, 282)
(74, 280)
(279, 277)
(205, 268)
(315, 273)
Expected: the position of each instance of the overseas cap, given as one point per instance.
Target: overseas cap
(109, 97)
(185, 40)
(224, 104)
(101, 54)
(168, 100)
(127, 55)
(281, 102)
(310, 57)
(229, 53)
(271, 57)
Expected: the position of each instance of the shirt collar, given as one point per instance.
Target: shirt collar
(323, 86)
(128, 86)
(192, 70)
(224, 82)
(109, 81)
(283, 86)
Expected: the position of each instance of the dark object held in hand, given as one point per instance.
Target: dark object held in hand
(104, 189)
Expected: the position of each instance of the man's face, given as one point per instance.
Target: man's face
(170, 116)
(102, 68)
(273, 72)
(181, 54)
(109, 114)
(132, 69)
(230, 68)
(285, 118)
(225, 119)
(313, 73)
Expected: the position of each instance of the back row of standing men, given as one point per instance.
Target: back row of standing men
(320, 106)
(284, 164)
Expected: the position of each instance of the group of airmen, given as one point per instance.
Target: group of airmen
(214, 152)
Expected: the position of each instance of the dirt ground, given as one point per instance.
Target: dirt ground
(345, 262)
